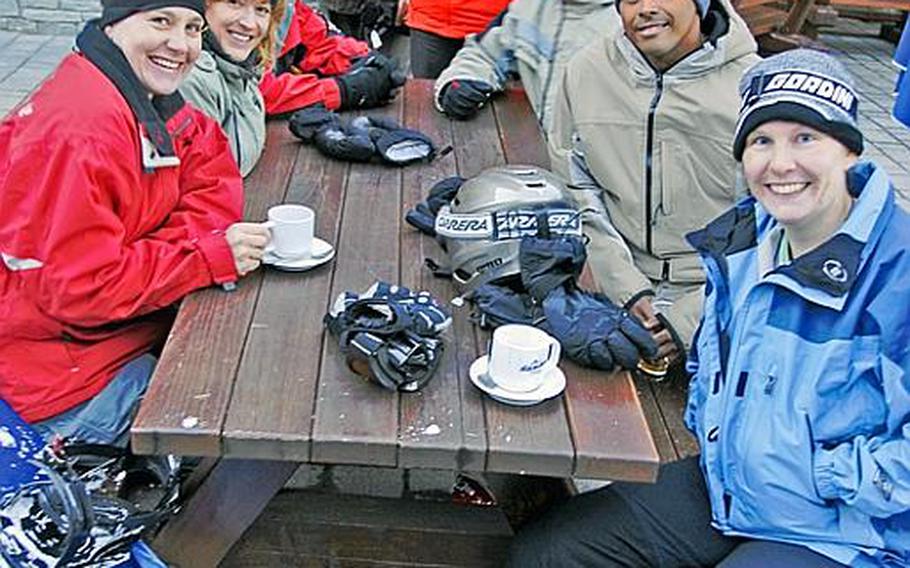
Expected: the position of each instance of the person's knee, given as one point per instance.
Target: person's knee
(592, 529)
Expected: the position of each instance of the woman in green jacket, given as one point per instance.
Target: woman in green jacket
(237, 48)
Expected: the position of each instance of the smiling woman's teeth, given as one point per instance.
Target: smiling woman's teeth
(787, 188)
(167, 64)
(240, 37)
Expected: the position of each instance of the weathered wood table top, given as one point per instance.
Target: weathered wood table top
(253, 375)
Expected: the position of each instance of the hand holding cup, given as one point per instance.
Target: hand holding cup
(247, 242)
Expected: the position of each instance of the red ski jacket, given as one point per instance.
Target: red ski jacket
(92, 243)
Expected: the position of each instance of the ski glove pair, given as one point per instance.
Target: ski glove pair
(371, 82)
(360, 139)
(463, 98)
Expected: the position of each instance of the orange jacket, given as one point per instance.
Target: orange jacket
(453, 18)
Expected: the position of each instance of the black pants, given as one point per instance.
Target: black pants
(666, 524)
(431, 53)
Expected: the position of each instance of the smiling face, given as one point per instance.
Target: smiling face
(665, 31)
(239, 25)
(160, 45)
(798, 174)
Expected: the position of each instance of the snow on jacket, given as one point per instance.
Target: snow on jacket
(652, 155)
(309, 54)
(453, 18)
(92, 245)
(229, 93)
(800, 397)
(533, 41)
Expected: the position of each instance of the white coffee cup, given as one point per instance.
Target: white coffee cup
(292, 228)
(521, 357)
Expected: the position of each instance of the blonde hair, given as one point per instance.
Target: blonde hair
(266, 47)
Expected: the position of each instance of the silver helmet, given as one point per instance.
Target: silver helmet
(482, 227)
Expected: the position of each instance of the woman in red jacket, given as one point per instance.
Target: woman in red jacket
(116, 200)
(438, 29)
(316, 65)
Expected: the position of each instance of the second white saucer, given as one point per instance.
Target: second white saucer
(553, 385)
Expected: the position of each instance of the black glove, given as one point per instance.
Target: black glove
(371, 82)
(497, 305)
(462, 98)
(345, 143)
(423, 215)
(306, 122)
(595, 332)
(394, 145)
(548, 263)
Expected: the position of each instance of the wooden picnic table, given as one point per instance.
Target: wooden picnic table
(250, 379)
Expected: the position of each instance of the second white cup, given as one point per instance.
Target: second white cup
(521, 357)
(292, 228)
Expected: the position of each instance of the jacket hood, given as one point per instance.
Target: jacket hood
(727, 39)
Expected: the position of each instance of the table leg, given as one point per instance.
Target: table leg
(222, 508)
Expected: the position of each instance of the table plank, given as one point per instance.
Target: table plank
(356, 422)
(283, 347)
(520, 440)
(611, 436)
(520, 137)
(459, 443)
(184, 408)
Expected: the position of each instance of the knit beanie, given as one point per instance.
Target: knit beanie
(115, 10)
(804, 86)
(700, 5)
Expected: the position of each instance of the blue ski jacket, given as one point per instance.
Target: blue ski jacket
(800, 389)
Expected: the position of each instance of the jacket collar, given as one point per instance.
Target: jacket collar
(152, 113)
(727, 38)
(825, 274)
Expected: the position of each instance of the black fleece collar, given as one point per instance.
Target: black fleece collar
(153, 112)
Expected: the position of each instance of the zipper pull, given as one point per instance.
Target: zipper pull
(769, 384)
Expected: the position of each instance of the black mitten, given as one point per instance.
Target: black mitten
(306, 122)
(370, 83)
(345, 144)
(462, 98)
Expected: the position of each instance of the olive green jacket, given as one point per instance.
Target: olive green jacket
(229, 93)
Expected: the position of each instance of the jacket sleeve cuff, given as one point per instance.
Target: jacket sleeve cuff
(827, 481)
(636, 297)
(217, 254)
(331, 94)
(437, 94)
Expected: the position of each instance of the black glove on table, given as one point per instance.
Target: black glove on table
(462, 98)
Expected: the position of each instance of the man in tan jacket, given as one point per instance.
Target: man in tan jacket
(649, 112)
(532, 40)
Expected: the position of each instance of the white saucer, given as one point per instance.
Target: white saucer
(552, 385)
(322, 253)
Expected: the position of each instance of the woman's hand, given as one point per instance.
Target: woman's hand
(247, 242)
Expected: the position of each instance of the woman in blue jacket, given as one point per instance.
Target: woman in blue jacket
(800, 390)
